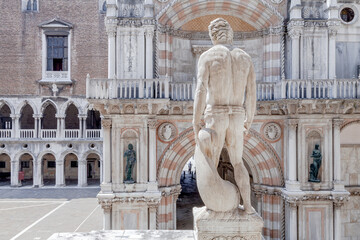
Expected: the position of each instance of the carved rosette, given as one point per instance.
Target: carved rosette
(272, 131)
(167, 132)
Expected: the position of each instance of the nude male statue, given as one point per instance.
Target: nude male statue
(226, 95)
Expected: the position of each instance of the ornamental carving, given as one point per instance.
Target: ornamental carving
(106, 123)
(167, 132)
(272, 131)
(276, 1)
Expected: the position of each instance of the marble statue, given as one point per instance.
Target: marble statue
(130, 154)
(226, 95)
(315, 166)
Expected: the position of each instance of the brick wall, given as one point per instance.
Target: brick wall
(20, 48)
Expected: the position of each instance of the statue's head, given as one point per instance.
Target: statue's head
(130, 146)
(220, 32)
(317, 146)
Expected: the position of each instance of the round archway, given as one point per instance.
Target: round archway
(48, 169)
(261, 160)
(26, 167)
(71, 169)
(5, 169)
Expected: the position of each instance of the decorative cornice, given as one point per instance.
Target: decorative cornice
(135, 22)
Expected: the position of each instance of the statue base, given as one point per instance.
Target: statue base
(210, 225)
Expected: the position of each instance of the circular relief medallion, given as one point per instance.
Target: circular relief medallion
(272, 131)
(167, 132)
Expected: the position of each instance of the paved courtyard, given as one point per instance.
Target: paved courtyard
(29, 213)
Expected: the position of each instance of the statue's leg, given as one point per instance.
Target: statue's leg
(235, 145)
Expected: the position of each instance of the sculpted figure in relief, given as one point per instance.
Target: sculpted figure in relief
(226, 95)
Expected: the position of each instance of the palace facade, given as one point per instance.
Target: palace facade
(82, 80)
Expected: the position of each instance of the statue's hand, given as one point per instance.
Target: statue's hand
(197, 128)
(247, 127)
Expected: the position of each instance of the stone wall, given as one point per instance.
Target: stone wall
(350, 219)
(21, 44)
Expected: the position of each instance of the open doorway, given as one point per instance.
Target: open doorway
(5, 170)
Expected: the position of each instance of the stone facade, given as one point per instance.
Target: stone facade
(141, 59)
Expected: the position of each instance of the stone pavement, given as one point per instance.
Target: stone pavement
(37, 213)
(128, 235)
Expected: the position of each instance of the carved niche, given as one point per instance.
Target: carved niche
(129, 136)
(313, 138)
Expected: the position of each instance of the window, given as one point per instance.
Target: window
(2, 164)
(30, 5)
(348, 14)
(57, 53)
(74, 164)
(25, 164)
(51, 164)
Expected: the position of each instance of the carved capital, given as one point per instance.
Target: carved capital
(106, 204)
(292, 123)
(337, 122)
(106, 123)
(152, 123)
(149, 33)
(294, 33)
(332, 32)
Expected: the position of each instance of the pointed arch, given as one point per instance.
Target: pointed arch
(66, 105)
(10, 106)
(46, 103)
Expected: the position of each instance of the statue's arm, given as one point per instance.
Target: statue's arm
(250, 99)
(200, 93)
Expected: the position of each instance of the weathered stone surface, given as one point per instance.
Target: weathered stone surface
(210, 225)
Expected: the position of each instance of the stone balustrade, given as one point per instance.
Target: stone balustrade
(5, 133)
(93, 133)
(72, 133)
(185, 91)
(27, 133)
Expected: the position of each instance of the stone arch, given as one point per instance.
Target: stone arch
(46, 103)
(19, 154)
(42, 154)
(65, 153)
(4, 102)
(260, 157)
(260, 14)
(21, 105)
(65, 106)
(88, 152)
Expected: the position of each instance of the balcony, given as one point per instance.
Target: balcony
(51, 134)
(139, 89)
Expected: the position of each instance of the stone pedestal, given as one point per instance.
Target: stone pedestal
(210, 225)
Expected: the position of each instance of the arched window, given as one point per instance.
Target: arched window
(35, 5)
(71, 117)
(28, 6)
(5, 119)
(104, 7)
(93, 120)
(26, 118)
(49, 120)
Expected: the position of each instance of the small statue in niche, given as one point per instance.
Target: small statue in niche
(130, 154)
(315, 166)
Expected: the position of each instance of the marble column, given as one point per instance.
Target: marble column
(332, 52)
(140, 53)
(294, 34)
(15, 173)
(149, 35)
(337, 221)
(37, 173)
(293, 221)
(37, 125)
(82, 176)
(120, 52)
(15, 125)
(106, 184)
(292, 151)
(152, 216)
(152, 124)
(106, 206)
(60, 173)
(337, 154)
(111, 31)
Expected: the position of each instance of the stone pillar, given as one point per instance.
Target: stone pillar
(152, 216)
(15, 125)
(332, 52)
(294, 34)
(37, 173)
(152, 124)
(337, 157)
(337, 221)
(37, 124)
(120, 36)
(111, 31)
(15, 173)
(149, 35)
(60, 173)
(106, 206)
(82, 174)
(60, 128)
(293, 221)
(292, 154)
(140, 53)
(82, 125)
(106, 184)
